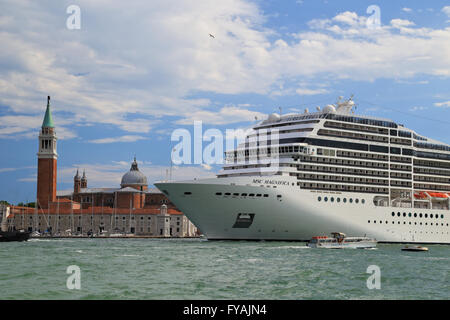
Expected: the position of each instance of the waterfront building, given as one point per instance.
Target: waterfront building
(131, 209)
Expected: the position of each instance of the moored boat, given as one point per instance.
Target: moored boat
(15, 235)
(7, 235)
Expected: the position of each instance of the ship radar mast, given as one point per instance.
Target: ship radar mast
(345, 106)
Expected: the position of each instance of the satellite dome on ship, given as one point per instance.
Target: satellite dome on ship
(134, 177)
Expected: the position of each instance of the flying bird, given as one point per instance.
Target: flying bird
(211, 36)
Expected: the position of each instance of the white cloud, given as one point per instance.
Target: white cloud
(347, 17)
(130, 68)
(445, 104)
(400, 23)
(129, 138)
(407, 10)
(226, 115)
(109, 175)
(309, 92)
(418, 108)
(446, 10)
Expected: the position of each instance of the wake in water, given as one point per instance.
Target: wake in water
(291, 247)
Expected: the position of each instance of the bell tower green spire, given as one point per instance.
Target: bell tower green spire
(48, 120)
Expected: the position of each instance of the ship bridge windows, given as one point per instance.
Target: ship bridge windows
(353, 127)
(405, 134)
(352, 135)
(371, 122)
(334, 144)
(417, 137)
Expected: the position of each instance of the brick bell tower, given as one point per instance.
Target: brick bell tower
(47, 157)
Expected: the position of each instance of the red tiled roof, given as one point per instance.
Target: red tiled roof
(98, 211)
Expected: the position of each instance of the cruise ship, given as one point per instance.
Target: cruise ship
(302, 175)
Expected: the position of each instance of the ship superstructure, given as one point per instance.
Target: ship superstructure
(300, 175)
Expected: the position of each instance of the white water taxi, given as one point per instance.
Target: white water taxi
(340, 241)
(414, 248)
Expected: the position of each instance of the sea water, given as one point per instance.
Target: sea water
(201, 269)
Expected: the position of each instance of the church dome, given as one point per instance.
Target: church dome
(133, 177)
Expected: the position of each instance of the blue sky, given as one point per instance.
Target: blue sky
(137, 70)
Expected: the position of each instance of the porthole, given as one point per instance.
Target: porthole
(319, 199)
(363, 201)
(345, 200)
(404, 214)
(442, 216)
(420, 215)
(325, 199)
(431, 215)
(398, 214)
(426, 215)
(356, 200)
(415, 215)
(332, 199)
(338, 199)
(409, 214)
(393, 214)
(351, 200)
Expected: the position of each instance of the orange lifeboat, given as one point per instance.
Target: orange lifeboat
(420, 195)
(438, 195)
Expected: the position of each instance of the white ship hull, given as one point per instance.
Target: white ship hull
(298, 214)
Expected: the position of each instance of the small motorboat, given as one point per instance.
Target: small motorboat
(414, 248)
(340, 241)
